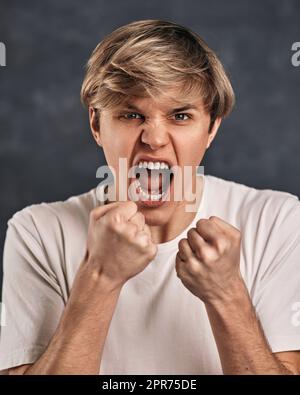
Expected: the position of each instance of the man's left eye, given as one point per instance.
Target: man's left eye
(181, 117)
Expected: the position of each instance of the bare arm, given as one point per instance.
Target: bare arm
(240, 340)
(241, 343)
(119, 246)
(77, 345)
(208, 265)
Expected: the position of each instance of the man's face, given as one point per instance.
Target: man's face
(145, 130)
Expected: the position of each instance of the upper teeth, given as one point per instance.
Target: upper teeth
(153, 165)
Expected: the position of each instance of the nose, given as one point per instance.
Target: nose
(155, 135)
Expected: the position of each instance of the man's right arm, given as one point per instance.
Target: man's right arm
(77, 345)
(119, 246)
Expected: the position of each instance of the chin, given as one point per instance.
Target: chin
(157, 216)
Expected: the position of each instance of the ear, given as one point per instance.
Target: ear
(94, 118)
(213, 131)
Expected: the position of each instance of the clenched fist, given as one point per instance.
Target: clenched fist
(119, 242)
(208, 261)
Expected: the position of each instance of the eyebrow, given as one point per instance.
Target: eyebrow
(131, 106)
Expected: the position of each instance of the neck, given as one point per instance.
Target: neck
(180, 219)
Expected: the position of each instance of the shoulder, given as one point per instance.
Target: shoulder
(49, 238)
(47, 217)
(269, 222)
(247, 203)
(265, 217)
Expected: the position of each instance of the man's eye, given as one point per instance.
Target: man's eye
(181, 117)
(133, 115)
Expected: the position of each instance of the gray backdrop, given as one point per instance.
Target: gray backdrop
(46, 150)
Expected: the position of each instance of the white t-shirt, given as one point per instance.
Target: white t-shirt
(158, 327)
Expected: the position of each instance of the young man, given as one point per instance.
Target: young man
(150, 283)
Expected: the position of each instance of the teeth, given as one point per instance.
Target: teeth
(153, 165)
(156, 197)
(148, 196)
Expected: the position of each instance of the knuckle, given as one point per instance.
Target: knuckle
(212, 256)
(115, 216)
(179, 273)
(190, 232)
(192, 266)
(152, 250)
(202, 222)
(92, 215)
(112, 224)
(109, 222)
(222, 243)
(178, 267)
(182, 243)
(131, 205)
(142, 240)
(237, 236)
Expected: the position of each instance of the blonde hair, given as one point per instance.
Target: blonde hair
(146, 58)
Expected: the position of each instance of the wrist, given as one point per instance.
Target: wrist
(236, 297)
(91, 294)
(233, 315)
(92, 271)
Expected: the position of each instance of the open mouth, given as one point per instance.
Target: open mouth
(153, 180)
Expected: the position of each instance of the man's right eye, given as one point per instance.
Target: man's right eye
(132, 115)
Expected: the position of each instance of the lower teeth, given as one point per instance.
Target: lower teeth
(148, 196)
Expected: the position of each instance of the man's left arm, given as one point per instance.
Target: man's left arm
(207, 263)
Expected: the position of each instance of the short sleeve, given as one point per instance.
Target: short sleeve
(277, 289)
(32, 302)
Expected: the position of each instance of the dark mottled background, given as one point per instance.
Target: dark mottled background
(46, 150)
